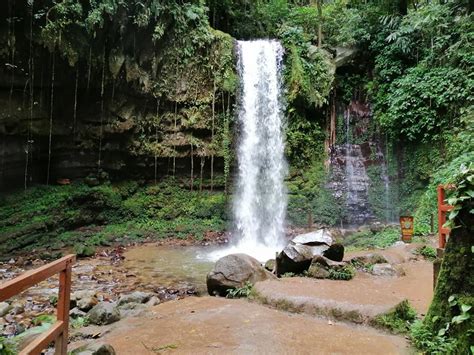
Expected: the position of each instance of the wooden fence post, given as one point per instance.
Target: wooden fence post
(63, 308)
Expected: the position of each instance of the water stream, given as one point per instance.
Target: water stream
(260, 200)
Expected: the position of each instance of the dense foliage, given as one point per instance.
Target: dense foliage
(66, 216)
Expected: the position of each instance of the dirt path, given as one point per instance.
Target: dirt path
(208, 325)
(360, 299)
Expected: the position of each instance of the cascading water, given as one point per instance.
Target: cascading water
(260, 200)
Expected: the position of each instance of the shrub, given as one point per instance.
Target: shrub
(240, 292)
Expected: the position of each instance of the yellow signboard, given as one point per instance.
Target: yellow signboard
(406, 223)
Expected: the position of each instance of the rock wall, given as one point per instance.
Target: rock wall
(359, 178)
(127, 105)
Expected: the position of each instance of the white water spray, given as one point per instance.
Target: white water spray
(260, 201)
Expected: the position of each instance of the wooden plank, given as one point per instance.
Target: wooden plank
(63, 309)
(42, 341)
(32, 277)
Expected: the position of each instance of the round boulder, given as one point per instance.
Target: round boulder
(104, 313)
(234, 271)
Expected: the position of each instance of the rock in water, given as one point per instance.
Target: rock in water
(233, 271)
(104, 313)
(335, 252)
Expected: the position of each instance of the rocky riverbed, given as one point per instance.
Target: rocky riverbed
(109, 277)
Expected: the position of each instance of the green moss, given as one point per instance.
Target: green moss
(309, 197)
(92, 216)
(398, 320)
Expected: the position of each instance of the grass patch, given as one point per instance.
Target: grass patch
(398, 320)
(368, 239)
(427, 252)
(346, 272)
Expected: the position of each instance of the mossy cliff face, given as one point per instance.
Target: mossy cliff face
(129, 91)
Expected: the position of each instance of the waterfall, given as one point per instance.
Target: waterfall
(358, 210)
(259, 206)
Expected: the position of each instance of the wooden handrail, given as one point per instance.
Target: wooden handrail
(59, 330)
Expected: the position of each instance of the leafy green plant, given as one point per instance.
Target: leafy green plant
(8, 346)
(463, 193)
(427, 251)
(430, 343)
(240, 292)
(441, 342)
(346, 272)
(79, 322)
(44, 318)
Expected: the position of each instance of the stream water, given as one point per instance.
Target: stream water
(170, 266)
(260, 200)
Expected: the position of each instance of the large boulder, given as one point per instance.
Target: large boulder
(234, 271)
(321, 236)
(296, 257)
(104, 313)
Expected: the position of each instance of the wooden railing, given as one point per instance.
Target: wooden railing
(443, 208)
(59, 330)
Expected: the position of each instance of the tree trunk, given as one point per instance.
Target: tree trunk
(320, 22)
(456, 279)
